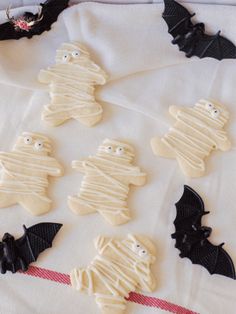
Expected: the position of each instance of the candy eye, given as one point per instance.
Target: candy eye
(38, 145)
(143, 253)
(66, 58)
(215, 113)
(75, 54)
(120, 150)
(209, 106)
(28, 140)
(136, 247)
(109, 149)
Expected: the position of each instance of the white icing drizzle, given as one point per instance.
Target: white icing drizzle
(105, 186)
(24, 172)
(121, 271)
(72, 86)
(195, 135)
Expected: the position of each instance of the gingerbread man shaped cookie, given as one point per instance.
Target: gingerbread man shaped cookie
(196, 132)
(24, 173)
(121, 267)
(71, 83)
(105, 186)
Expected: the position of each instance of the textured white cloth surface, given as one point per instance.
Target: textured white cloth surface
(147, 74)
(18, 3)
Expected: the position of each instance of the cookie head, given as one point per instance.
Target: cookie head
(71, 53)
(216, 114)
(33, 143)
(115, 149)
(142, 247)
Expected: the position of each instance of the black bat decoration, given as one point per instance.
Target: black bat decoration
(29, 24)
(191, 38)
(18, 254)
(191, 236)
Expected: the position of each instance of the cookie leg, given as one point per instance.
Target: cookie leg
(112, 310)
(190, 171)
(7, 199)
(51, 117)
(94, 118)
(159, 148)
(116, 219)
(79, 207)
(35, 205)
(111, 304)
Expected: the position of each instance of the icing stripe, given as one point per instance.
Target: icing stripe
(133, 297)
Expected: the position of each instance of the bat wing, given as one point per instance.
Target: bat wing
(214, 258)
(1, 250)
(7, 31)
(50, 12)
(189, 210)
(35, 240)
(177, 18)
(216, 46)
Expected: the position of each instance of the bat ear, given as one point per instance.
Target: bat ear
(7, 236)
(191, 198)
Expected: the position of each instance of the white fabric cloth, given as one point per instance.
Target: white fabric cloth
(147, 74)
(18, 3)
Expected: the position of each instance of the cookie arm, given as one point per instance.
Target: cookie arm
(78, 165)
(173, 110)
(223, 144)
(101, 76)
(1, 156)
(101, 243)
(56, 169)
(45, 76)
(139, 179)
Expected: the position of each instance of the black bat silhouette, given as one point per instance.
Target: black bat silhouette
(18, 254)
(29, 24)
(191, 38)
(191, 236)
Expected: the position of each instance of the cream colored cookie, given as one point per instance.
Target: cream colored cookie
(105, 186)
(196, 132)
(72, 82)
(24, 173)
(121, 267)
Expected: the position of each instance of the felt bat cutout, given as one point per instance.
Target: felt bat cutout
(18, 254)
(29, 24)
(191, 236)
(191, 38)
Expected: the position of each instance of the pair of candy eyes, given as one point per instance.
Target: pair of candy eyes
(213, 111)
(119, 150)
(140, 250)
(74, 54)
(38, 145)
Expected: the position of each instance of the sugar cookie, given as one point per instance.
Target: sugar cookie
(197, 132)
(25, 171)
(105, 186)
(71, 82)
(121, 266)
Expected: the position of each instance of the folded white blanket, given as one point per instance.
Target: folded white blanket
(146, 75)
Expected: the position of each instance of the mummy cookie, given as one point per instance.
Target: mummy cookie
(105, 185)
(72, 82)
(24, 173)
(121, 267)
(196, 132)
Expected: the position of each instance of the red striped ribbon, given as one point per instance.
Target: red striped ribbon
(133, 297)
